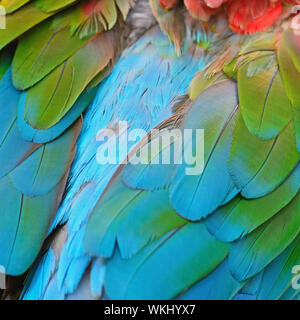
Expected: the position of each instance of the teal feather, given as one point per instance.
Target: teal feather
(174, 262)
(196, 196)
(135, 219)
(241, 216)
(24, 222)
(278, 275)
(251, 254)
(46, 167)
(218, 285)
(13, 148)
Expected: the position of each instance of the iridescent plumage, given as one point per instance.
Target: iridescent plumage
(150, 231)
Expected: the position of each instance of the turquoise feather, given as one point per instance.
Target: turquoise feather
(254, 252)
(13, 148)
(218, 285)
(130, 218)
(241, 216)
(23, 225)
(46, 167)
(196, 196)
(277, 276)
(174, 262)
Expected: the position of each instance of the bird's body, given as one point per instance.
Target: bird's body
(151, 231)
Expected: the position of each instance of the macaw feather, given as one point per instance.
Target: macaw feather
(43, 49)
(35, 286)
(218, 285)
(241, 216)
(195, 196)
(264, 41)
(174, 262)
(31, 134)
(254, 252)
(265, 106)
(134, 219)
(137, 216)
(50, 100)
(44, 168)
(202, 81)
(54, 5)
(93, 17)
(259, 166)
(24, 223)
(289, 72)
(154, 172)
(100, 76)
(13, 5)
(21, 21)
(292, 44)
(252, 286)
(276, 278)
(98, 270)
(13, 148)
(297, 128)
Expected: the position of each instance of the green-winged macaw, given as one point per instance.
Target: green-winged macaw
(72, 227)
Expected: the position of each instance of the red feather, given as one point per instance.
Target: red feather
(253, 16)
(245, 16)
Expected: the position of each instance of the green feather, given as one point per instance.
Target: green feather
(241, 216)
(201, 82)
(297, 127)
(13, 5)
(53, 5)
(24, 222)
(49, 100)
(102, 16)
(110, 205)
(134, 219)
(291, 42)
(290, 74)
(265, 106)
(21, 21)
(230, 69)
(277, 276)
(218, 285)
(43, 49)
(258, 166)
(42, 136)
(254, 252)
(261, 41)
